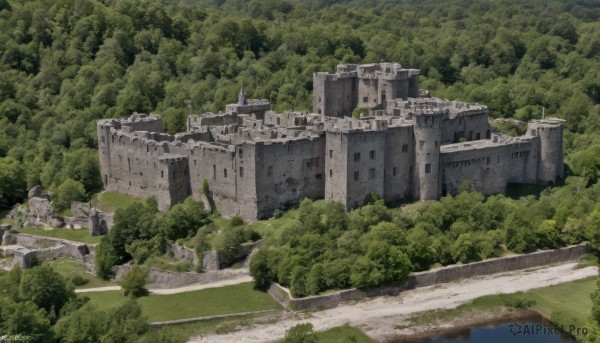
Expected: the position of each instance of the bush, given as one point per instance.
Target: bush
(301, 333)
(205, 190)
(134, 282)
(78, 280)
(69, 191)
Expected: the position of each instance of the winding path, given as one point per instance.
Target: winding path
(164, 291)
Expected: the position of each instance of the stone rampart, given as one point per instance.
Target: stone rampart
(433, 277)
(167, 279)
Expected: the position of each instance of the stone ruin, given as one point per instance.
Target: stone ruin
(38, 213)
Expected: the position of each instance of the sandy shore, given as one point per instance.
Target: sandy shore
(378, 317)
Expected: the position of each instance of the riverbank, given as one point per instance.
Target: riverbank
(381, 317)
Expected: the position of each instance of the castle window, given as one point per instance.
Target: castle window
(394, 171)
(372, 173)
(436, 144)
(241, 171)
(427, 168)
(478, 136)
(356, 176)
(372, 154)
(421, 144)
(356, 156)
(404, 147)
(270, 171)
(128, 164)
(195, 162)
(319, 99)
(113, 139)
(241, 152)
(330, 153)
(365, 99)
(162, 174)
(330, 173)
(174, 173)
(488, 160)
(488, 134)
(318, 176)
(214, 171)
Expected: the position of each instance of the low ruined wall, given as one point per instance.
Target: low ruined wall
(212, 260)
(47, 248)
(433, 277)
(166, 279)
(183, 253)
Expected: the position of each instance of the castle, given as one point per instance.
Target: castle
(408, 146)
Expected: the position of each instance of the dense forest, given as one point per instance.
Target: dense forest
(65, 64)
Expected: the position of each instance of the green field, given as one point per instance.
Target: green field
(68, 268)
(110, 201)
(213, 301)
(343, 334)
(77, 235)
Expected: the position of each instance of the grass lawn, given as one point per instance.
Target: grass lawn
(567, 303)
(230, 299)
(67, 268)
(343, 334)
(110, 201)
(78, 235)
(182, 332)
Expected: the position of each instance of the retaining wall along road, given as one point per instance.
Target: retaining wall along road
(433, 277)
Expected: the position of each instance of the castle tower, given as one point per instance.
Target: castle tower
(550, 155)
(104, 145)
(428, 135)
(242, 101)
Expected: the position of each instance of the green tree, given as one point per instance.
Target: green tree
(45, 288)
(69, 191)
(134, 282)
(85, 325)
(126, 324)
(12, 182)
(260, 269)
(24, 318)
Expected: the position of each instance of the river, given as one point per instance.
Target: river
(527, 331)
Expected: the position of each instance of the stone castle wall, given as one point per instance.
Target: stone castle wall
(255, 163)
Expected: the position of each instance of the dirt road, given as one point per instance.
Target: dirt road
(378, 316)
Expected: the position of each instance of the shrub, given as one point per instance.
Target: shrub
(134, 282)
(205, 190)
(78, 280)
(301, 333)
